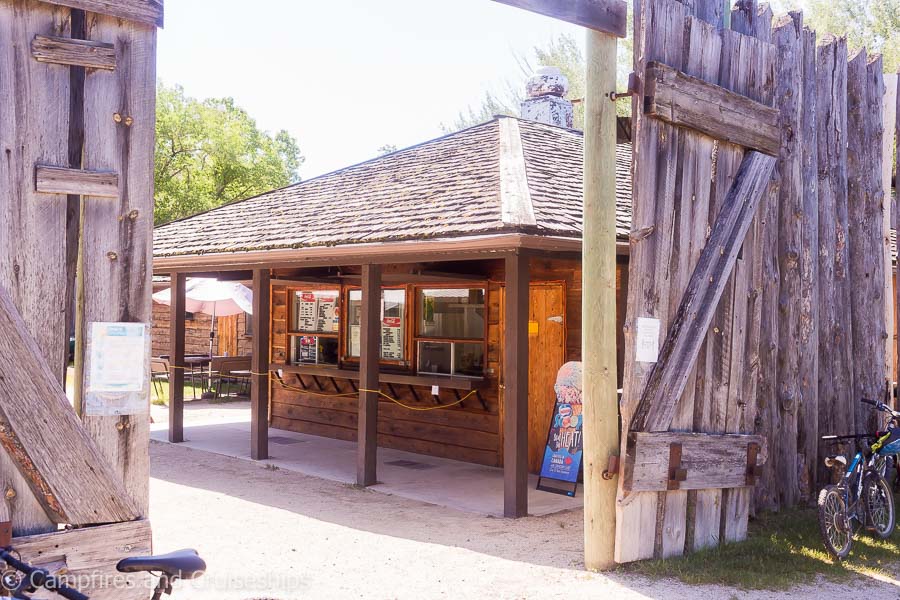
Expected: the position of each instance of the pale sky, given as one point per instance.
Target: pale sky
(347, 77)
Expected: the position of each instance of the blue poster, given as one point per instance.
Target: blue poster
(562, 456)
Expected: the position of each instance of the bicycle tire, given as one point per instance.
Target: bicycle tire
(879, 502)
(833, 522)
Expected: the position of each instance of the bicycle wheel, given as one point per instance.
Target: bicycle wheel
(879, 504)
(834, 522)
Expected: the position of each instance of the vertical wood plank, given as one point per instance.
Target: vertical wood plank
(808, 414)
(370, 353)
(692, 197)
(178, 282)
(34, 126)
(835, 359)
(515, 392)
(601, 408)
(659, 36)
(116, 242)
(891, 133)
(865, 91)
(788, 99)
(259, 391)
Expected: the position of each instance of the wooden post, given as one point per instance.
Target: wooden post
(515, 392)
(835, 357)
(176, 359)
(598, 350)
(887, 156)
(865, 91)
(789, 100)
(259, 391)
(808, 417)
(370, 354)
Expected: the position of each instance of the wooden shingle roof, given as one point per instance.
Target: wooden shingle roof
(504, 176)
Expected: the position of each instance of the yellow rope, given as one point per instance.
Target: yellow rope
(351, 394)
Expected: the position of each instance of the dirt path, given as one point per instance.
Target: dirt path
(280, 535)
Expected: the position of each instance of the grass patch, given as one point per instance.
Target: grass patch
(782, 550)
(162, 399)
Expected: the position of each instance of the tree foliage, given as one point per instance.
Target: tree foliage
(872, 24)
(211, 152)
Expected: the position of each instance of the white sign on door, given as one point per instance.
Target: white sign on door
(647, 340)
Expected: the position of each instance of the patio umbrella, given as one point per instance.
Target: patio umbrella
(212, 297)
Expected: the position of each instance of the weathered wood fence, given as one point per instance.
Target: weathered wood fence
(758, 244)
(77, 112)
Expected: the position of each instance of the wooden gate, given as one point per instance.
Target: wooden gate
(706, 136)
(77, 82)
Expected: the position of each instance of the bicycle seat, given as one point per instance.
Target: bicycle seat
(181, 564)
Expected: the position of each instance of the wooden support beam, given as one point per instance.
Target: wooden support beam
(68, 475)
(607, 16)
(176, 375)
(515, 388)
(690, 323)
(658, 462)
(78, 53)
(680, 99)
(62, 180)
(259, 380)
(887, 171)
(598, 348)
(370, 355)
(89, 555)
(142, 11)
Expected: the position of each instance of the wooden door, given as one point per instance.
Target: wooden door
(227, 332)
(546, 354)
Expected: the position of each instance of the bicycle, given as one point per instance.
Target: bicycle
(24, 579)
(863, 497)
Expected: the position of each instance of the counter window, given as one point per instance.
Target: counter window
(315, 318)
(450, 332)
(393, 320)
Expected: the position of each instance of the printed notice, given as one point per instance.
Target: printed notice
(647, 340)
(118, 359)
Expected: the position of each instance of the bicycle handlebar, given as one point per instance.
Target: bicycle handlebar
(41, 577)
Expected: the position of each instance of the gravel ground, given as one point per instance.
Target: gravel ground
(274, 534)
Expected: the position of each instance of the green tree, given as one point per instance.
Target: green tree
(872, 24)
(211, 152)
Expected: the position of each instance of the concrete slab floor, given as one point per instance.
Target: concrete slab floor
(225, 429)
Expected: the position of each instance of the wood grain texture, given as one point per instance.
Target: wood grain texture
(895, 210)
(38, 428)
(711, 461)
(599, 307)
(786, 36)
(659, 36)
(34, 126)
(68, 51)
(889, 109)
(865, 91)
(90, 554)
(808, 364)
(149, 12)
(607, 16)
(62, 180)
(117, 234)
(678, 98)
(836, 408)
(708, 281)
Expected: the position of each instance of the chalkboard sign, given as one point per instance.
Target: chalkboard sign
(563, 453)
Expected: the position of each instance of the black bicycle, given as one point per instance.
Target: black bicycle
(21, 580)
(862, 498)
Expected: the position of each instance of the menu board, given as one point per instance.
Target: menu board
(306, 312)
(316, 313)
(392, 338)
(306, 349)
(354, 340)
(326, 314)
